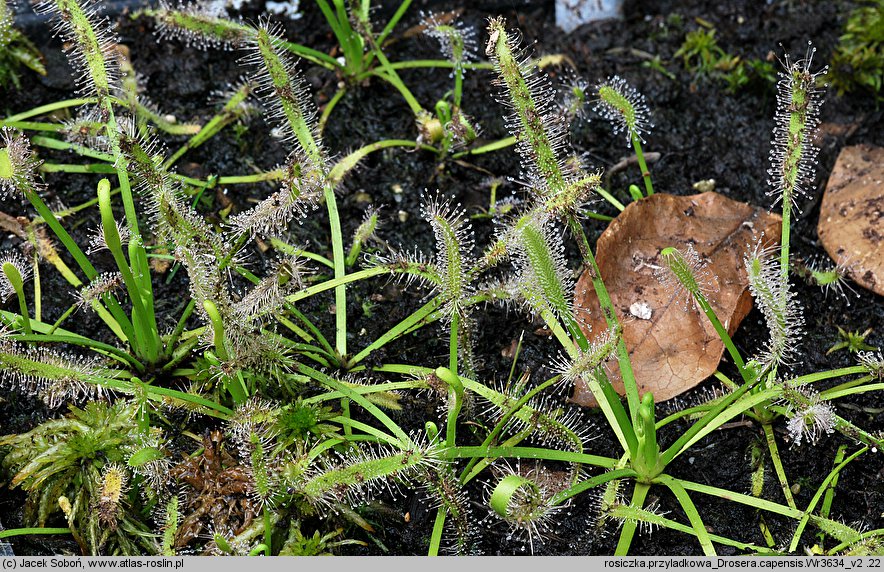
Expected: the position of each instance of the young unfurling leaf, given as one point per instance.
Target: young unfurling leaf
(624, 107)
(454, 243)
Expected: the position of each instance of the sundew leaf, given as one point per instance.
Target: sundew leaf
(671, 343)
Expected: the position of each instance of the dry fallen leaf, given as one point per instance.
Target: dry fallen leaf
(671, 344)
(851, 223)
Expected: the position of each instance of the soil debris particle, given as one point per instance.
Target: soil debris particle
(851, 225)
(672, 344)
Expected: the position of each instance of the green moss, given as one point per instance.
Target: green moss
(858, 61)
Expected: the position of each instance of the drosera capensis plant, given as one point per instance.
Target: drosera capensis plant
(625, 108)
(810, 413)
(351, 24)
(302, 425)
(38, 368)
(542, 288)
(451, 128)
(236, 353)
(644, 454)
(446, 130)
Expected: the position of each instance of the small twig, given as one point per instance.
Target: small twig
(629, 162)
(737, 424)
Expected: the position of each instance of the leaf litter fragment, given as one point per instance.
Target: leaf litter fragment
(851, 225)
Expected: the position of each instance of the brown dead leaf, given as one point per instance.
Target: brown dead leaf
(160, 265)
(851, 225)
(672, 348)
(16, 225)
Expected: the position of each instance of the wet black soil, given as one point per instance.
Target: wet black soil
(701, 132)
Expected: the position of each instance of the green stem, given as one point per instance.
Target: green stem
(841, 391)
(640, 156)
(311, 55)
(607, 306)
(343, 32)
(829, 374)
(356, 397)
(725, 337)
(102, 168)
(228, 114)
(778, 464)
(51, 143)
(179, 327)
(268, 532)
(829, 496)
(458, 84)
(390, 76)
(529, 453)
(726, 410)
(393, 78)
(331, 284)
(118, 322)
(346, 418)
(249, 179)
(28, 531)
(639, 494)
(49, 108)
(340, 272)
(63, 317)
(455, 388)
(452, 346)
(217, 330)
(342, 167)
(467, 474)
(49, 218)
(487, 148)
(816, 498)
(329, 107)
(784, 243)
(369, 389)
(370, 431)
(741, 498)
(146, 340)
(610, 198)
(316, 332)
(678, 527)
(592, 483)
(186, 397)
(388, 29)
(436, 535)
(287, 248)
(691, 511)
(33, 126)
(445, 64)
(122, 174)
(73, 339)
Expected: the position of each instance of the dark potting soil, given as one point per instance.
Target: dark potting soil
(701, 132)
